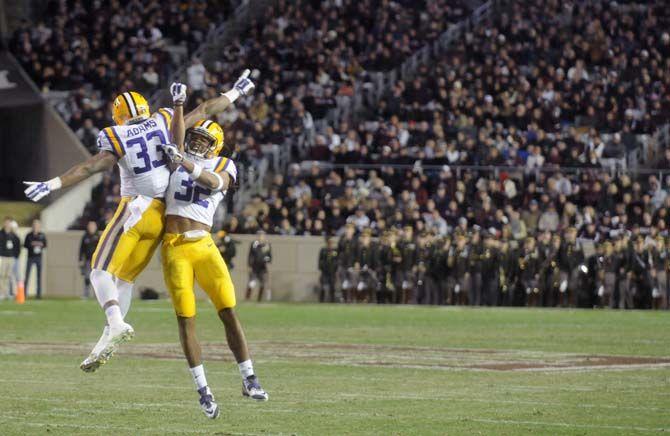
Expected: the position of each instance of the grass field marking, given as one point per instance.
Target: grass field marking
(16, 312)
(488, 400)
(383, 356)
(18, 421)
(593, 368)
(115, 386)
(153, 310)
(569, 425)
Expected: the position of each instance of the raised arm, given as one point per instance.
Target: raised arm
(177, 128)
(243, 86)
(97, 163)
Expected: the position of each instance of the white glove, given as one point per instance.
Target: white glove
(244, 83)
(178, 91)
(38, 190)
(173, 153)
(243, 86)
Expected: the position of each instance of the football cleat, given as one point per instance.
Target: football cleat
(252, 389)
(92, 363)
(207, 403)
(117, 335)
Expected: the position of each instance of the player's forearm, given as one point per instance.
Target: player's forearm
(206, 178)
(208, 108)
(177, 128)
(82, 171)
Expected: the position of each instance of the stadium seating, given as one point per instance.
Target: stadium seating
(543, 105)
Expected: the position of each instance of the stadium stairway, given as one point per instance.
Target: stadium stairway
(36, 144)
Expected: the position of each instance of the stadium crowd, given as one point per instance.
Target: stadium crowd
(96, 50)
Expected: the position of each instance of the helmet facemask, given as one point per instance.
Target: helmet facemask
(199, 142)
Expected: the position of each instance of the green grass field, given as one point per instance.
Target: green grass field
(342, 370)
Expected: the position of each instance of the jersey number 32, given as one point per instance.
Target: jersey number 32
(193, 191)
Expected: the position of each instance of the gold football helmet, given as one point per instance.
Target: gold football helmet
(130, 108)
(204, 139)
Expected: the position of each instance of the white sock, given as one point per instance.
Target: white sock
(114, 316)
(198, 374)
(246, 368)
(125, 295)
(104, 287)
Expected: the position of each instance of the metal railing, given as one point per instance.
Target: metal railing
(497, 170)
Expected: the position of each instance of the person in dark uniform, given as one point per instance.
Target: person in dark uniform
(475, 268)
(389, 269)
(260, 256)
(459, 263)
(35, 243)
(227, 247)
(606, 275)
(365, 267)
(570, 257)
(508, 272)
(439, 270)
(346, 249)
(408, 253)
(490, 260)
(638, 269)
(10, 247)
(424, 280)
(86, 249)
(659, 273)
(622, 250)
(328, 263)
(551, 273)
(529, 272)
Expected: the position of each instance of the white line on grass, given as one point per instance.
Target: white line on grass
(568, 425)
(132, 430)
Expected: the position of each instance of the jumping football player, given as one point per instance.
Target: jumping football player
(132, 235)
(189, 254)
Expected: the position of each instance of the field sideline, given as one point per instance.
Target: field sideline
(339, 370)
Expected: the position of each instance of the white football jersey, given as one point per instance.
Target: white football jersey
(188, 199)
(142, 165)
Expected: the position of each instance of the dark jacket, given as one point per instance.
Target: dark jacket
(35, 243)
(10, 245)
(87, 246)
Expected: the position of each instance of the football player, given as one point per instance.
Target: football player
(132, 235)
(197, 186)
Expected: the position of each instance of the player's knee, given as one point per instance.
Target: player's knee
(186, 322)
(228, 315)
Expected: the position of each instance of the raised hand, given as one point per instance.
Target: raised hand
(178, 91)
(244, 83)
(173, 153)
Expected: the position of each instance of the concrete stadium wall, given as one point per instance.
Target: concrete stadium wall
(293, 272)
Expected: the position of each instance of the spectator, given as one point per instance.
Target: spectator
(88, 135)
(89, 242)
(35, 242)
(10, 247)
(260, 256)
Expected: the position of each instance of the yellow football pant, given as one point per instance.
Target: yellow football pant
(184, 261)
(126, 254)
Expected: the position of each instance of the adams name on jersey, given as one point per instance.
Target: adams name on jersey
(186, 198)
(142, 164)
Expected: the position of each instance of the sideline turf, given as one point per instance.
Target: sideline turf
(339, 370)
